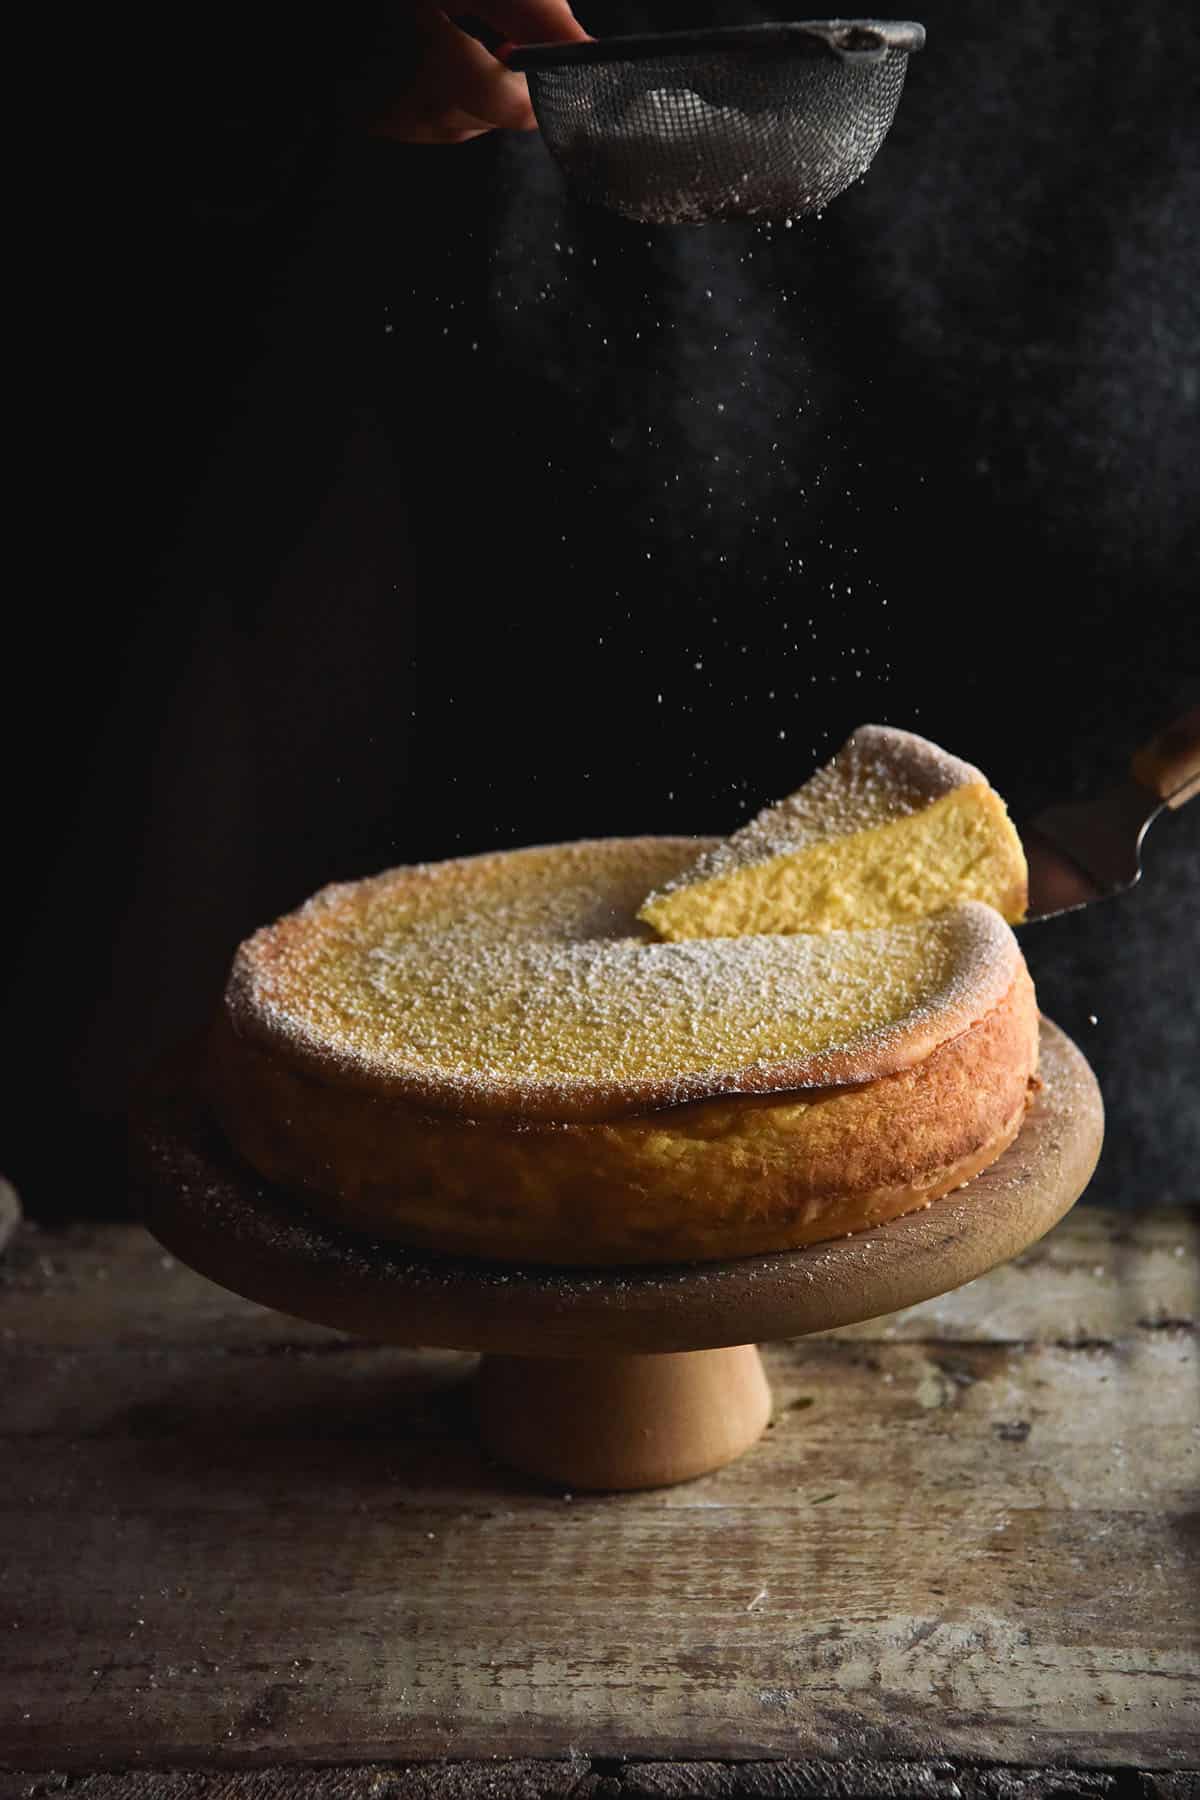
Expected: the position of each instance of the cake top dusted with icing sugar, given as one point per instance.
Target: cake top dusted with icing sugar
(520, 984)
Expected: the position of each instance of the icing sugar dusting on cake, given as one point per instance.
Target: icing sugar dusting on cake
(526, 976)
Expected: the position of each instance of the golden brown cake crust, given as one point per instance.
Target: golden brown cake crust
(520, 986)
(732, 1176)
(631, 1166)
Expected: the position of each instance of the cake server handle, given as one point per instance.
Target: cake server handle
(1169, 765)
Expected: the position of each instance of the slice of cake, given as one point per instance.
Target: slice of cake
(892, 829)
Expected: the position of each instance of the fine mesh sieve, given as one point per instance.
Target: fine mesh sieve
(751, 121)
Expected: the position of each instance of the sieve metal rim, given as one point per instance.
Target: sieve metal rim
(849, 40)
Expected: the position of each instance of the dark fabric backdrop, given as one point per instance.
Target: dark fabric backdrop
(453, 514)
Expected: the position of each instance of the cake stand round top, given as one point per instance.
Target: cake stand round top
(210, 1210)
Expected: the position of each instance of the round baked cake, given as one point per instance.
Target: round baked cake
(493, 1056)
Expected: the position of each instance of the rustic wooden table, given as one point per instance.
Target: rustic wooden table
(242, 1556)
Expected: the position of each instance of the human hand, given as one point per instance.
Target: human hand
(459, 89)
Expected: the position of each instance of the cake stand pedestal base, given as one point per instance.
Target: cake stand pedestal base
(608, 1378)
(623, 1421)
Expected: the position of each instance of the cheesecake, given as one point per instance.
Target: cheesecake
(508, 1056)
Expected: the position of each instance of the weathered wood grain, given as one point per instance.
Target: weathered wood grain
(581, 1778)
(1099, 1275)
(231, 1540)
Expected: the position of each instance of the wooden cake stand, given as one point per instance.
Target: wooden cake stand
(611, 1378)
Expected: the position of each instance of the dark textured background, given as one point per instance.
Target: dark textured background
(451, 514)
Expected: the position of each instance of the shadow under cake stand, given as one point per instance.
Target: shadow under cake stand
(611, 1378)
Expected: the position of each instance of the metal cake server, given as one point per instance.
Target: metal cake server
(1092, 850)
